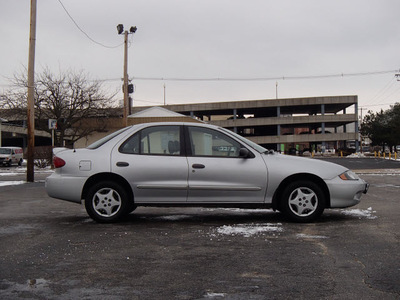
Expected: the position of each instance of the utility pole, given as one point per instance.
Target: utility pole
(132, 30)
(31, 95)
(126, 95)
(164, 96)
(361, 138)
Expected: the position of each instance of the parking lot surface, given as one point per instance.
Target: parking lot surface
(51, 249)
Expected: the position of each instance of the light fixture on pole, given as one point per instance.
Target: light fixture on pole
(120, 30)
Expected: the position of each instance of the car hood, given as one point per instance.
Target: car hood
(286, 165)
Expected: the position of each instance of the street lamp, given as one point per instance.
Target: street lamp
(120, 30)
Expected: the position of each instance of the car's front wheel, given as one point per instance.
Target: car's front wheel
(107, 202)
(302, 201)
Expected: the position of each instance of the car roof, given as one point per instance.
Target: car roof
(6, 147)
(142, 125)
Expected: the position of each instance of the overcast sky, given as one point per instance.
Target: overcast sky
(208, 39)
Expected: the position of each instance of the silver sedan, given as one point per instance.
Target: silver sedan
(191, 164)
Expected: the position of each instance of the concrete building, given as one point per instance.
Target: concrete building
(315, 123)
(148, 115)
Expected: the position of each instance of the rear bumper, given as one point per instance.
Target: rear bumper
(65, 188)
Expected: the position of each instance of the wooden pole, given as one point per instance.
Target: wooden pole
(126, 94)
(31, 95)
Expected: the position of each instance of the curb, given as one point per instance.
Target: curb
(378, 171)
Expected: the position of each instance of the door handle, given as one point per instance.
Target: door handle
(122, 164)
(198, 166)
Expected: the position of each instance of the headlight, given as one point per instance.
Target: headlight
(348, 175)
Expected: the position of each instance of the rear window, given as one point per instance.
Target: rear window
(105, 139)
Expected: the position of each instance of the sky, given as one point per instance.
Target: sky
(195, 51)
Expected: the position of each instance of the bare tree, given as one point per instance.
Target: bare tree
(70, 97)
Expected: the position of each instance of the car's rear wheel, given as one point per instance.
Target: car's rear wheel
(107, 202)
(302, 201)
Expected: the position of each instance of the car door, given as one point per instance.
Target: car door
(217, 173)
(153, 162)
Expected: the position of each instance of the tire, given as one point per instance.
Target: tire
(107, 202)
(302, 201)
(20, 162)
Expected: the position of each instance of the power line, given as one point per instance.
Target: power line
(386, 88)
(250, 78)
(81, 30)
(380, 104)
(147, 101)
(265, 78)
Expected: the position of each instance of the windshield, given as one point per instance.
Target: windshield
(5, 151)
(105, 139)
(247, 142)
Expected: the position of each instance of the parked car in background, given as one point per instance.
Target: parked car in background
(11, 155)
(190, 164)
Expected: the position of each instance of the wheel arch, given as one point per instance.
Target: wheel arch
(297, 177)
(107, 177)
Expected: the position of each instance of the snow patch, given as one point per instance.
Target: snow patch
(10, 174)
(6, 183)
(356, 155)
(248, 230)
(307, 236)
(366, 213)
(215, 295)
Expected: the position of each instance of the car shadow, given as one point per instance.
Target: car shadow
(212, 217)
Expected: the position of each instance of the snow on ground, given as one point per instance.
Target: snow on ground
(17, 182)
(13, 171)
(362, 155)
(356, 155)
(360, 213)
(248, 230)
(308, 236)
(214, 295)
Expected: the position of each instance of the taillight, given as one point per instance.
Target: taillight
(58, 162)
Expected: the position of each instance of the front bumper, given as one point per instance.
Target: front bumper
(346, 193)
(366, 188)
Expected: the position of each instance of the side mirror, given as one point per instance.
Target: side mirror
(244, 153)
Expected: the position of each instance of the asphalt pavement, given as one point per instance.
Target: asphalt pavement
(51, 249)
(365, 163)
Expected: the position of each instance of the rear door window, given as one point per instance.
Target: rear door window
(157, 140)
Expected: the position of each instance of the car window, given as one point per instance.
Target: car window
(208, 142)
(157, 140)
(246, 141)
(5, 151)
(131, 145)
(105, 139)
